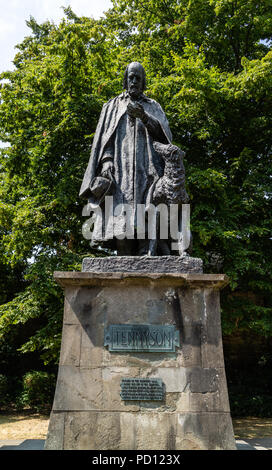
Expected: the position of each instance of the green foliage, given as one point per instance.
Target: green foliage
(49, 109)
(3, 390)
(41, 300)
(250, 388)
(209, 64)
(225, 30)
(38, 390)
(243, 405)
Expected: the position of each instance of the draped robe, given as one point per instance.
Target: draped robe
(128, 143)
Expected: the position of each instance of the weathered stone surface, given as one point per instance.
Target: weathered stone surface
(143, 264)
(204, 431)
(174, 378)
(92, 430)
(112, 377)
(55, 433)
(88, 412)
(71, 344)
(78, 389)
(91, 353)
(213, 401)
(203, 380)
(125, 279)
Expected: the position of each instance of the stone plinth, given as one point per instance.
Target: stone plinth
(88, 412)
(143, 264)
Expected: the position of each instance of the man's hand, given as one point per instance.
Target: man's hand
(107, 169)
(135, 110)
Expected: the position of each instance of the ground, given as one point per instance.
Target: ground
(30, 425)
(23, 425)
(251, 428)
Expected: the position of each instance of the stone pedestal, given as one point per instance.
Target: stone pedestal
(88, 411)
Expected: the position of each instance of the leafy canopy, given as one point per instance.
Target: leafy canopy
(208, 64)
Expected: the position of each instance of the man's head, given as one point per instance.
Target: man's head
(134, 79)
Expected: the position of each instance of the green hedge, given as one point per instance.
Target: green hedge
(4, 387)
(37, 390)
(243, 405)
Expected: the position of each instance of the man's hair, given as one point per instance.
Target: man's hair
(125, 82)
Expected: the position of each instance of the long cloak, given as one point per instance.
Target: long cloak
(137, 166)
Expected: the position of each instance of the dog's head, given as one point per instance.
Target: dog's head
(168, 151)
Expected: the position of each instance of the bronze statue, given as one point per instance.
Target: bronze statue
(131, 160)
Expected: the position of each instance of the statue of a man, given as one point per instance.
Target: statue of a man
(124, 162)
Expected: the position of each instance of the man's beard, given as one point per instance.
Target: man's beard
(135, 92)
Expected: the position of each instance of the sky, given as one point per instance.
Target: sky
(14, 13)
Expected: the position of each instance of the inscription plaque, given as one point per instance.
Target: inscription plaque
(142, 389)
(142, 338)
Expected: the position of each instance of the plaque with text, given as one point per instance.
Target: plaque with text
(142, 389)
(142, 338)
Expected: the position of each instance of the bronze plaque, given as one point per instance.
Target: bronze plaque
(151, 389)
(142, 338)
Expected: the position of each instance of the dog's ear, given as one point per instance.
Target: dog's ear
(162, 149)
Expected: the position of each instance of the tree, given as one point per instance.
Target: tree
(208, 63)
(50, 105)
